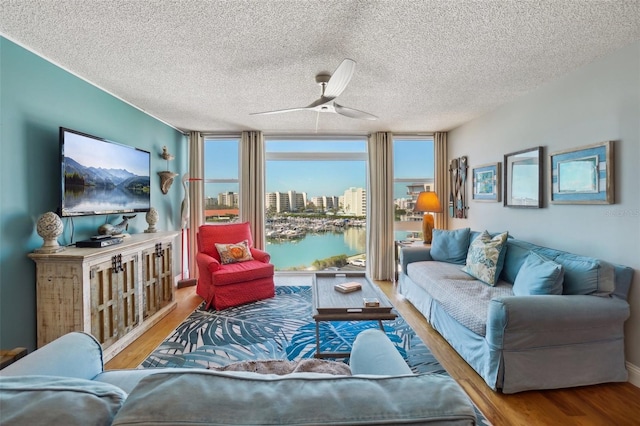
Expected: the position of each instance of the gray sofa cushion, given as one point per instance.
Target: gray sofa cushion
(586, 275)
(463, 297)
(517, 252)
(218, 398)
(582, 274)
(44, 400)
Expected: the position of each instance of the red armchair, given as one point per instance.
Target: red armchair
(231, 284)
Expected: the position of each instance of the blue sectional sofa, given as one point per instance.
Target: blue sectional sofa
(545, 319)
(64, 383)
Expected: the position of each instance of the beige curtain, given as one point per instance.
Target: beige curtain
(196, 196)
(252, 184)
(380, 258)
(441, 179)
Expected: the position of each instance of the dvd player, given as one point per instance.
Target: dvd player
(103, 242)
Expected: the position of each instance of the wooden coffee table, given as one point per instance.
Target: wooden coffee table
(331, 305)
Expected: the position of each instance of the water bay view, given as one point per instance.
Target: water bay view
(315, 241)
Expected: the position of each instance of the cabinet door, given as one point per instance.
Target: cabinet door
(158, 278)
(129, 293)
(114, 289)
(165, 274)
(59, 299)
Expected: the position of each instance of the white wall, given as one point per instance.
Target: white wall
(595, 103)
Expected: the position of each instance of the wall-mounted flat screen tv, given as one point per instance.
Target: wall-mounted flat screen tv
(101, 176)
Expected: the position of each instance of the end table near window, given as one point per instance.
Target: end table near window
(399, 245)
(8, 357)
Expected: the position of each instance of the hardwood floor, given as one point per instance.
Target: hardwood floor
(139, 350)
(607, 405)
(610, 404)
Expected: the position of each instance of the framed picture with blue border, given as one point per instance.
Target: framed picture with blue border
(486, 182)
(582, 175)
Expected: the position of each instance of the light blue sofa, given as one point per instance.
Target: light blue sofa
(552, 319)
(64, 383)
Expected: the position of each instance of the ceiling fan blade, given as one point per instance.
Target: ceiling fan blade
(279, 111)
(340, 78)
(319, 103)
(353, 113)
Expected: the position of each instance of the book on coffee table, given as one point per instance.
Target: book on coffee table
(348, 287)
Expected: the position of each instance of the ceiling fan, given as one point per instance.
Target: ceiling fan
(332, 87)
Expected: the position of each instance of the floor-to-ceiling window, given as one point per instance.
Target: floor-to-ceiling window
(316, 195)
(221, 179)
(316, 202)
(413, 168)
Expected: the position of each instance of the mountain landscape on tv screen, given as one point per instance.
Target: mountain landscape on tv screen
(78, 175)
(93, 190)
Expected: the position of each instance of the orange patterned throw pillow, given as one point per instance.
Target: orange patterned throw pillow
(232, 253)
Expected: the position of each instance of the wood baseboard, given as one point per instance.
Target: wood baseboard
(187, 282)
(634, 374)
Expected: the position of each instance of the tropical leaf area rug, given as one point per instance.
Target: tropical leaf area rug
(278, 328)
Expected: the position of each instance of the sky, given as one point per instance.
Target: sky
(412, 159)
(92, 152)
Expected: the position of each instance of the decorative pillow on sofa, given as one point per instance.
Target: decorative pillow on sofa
(538, 275)
(483, 257)
(232, 253)
(450, 246)
(586, 275)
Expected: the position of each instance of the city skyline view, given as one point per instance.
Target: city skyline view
(319, 177)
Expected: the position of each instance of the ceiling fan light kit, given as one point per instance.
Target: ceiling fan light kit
(332, 86)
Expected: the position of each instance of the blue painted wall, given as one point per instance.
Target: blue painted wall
(36, 98)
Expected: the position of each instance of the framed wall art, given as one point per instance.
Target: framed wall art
(486, 183)
(523, 178)
(582, 175)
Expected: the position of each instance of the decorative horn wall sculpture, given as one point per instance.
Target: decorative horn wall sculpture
(457, 182)
(166, 176)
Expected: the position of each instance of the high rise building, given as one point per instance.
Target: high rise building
(297, 201)
(355, 201)
(229, 199)
(290, 201)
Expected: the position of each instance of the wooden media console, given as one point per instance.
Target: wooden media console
(115, 293)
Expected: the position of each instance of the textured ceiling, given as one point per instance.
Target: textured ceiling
(421, 65)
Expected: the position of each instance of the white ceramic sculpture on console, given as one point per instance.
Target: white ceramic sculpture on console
(49, 227)
(152, 219)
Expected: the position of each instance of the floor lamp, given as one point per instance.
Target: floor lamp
(428, 203)
(185, 210)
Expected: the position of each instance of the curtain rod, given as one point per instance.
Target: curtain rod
(314, 135)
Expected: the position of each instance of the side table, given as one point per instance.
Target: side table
(8, 357)
(399, 245)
